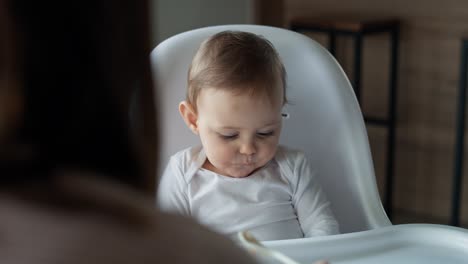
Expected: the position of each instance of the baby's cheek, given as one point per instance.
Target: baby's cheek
(270, 150)
(224, 155)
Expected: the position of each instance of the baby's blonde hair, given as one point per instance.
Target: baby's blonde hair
(238, 61)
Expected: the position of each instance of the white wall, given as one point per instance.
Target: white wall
(174, 16)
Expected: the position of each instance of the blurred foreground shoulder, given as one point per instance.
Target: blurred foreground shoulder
(198, 244)
(116, 226)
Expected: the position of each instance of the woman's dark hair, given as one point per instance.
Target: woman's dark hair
(80, 64)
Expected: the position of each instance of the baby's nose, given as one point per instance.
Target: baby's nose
(247, 149)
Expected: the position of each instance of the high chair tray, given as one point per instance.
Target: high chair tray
(397, 244)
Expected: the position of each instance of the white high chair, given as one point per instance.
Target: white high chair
(324, 120)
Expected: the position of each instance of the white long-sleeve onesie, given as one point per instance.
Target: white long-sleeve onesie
(282, 200)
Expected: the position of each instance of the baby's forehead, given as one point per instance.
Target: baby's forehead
(245, 122)
(271, 95)
(225, 109)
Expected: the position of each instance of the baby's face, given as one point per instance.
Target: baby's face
(239, 133)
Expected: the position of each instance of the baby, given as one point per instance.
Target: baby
(240, 178)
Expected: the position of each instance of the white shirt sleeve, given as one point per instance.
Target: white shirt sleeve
(309, 200)
(172, 190)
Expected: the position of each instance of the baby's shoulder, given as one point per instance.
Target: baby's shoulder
(188, 160)
(187, 155)
(290, 159)
(285, 154)
(292, 162)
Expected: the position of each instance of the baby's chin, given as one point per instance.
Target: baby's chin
(240, 172)
(238, 175)
(234, 170)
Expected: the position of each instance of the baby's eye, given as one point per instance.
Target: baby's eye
(265, 134)
(227, 137)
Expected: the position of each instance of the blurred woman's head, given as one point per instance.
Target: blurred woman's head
(75, 91)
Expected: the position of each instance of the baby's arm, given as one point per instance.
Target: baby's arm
(312, 206)
(172, 190)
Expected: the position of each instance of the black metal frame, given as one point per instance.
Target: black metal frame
(459, 137)
(390, 121)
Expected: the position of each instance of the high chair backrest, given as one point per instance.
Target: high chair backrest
(324, 120)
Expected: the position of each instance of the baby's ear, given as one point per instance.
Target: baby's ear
(189, 115)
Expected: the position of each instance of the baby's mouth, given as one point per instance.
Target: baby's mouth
(249, 161)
